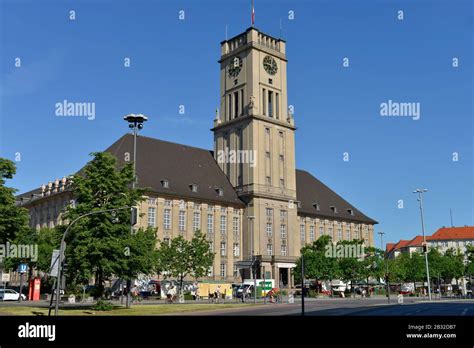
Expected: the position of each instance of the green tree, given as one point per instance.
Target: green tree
(453, 266)
(14, 220)
(317, 264)
(101, 245)
(351, 269)
(179, 257)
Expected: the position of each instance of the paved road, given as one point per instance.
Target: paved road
(356, 307)
(376, 306)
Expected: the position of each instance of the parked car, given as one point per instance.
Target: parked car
(10, 295)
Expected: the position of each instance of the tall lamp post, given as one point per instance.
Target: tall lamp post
(425, 246)
(62, 250)
(254, 270)
(386, 266)
(135, 122)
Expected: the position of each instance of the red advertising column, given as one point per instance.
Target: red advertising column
(34, 289)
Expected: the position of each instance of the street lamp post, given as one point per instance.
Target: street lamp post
(135, 122)
(386, 266)
(425, 246)
(62, 250)
(254, 270)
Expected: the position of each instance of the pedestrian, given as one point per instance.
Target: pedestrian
(197, 292)
(218, 294)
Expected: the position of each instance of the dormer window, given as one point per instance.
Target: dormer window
(316, 206)
(220, 191)
(350, 211)
(333, 208)
(194, 187)
(165, 183)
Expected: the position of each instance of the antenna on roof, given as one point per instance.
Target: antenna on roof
(451, 215)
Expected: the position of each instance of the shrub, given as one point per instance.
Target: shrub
(102, 305)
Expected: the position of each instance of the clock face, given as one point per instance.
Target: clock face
(270, 65)
(234, 67)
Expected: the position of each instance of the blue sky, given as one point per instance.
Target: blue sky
(174, 62)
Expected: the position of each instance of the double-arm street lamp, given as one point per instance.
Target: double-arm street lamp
(425, 246)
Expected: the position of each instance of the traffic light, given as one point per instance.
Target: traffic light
(134, 216)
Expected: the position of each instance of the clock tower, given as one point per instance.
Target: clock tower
(254, 146)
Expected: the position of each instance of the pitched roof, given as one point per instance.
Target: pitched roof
(448, 233)
(415, 242)
(181, 165)
(310, 190)
(389, 246)
(401, 244)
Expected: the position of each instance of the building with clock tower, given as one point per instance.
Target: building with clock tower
(255, 122)
(246, 195)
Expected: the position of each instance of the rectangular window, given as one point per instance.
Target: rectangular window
(210, 223)
(277, 105)
(283, 250)
(270, 103)
(236, 271)
(282, 182)
(264, 101)
(167, 219)
(223, 268)
(152, 201)
(311, 233)
(282, 214)
(211, 245)
(269, 249)
(339, 234)
(167, 203)
(269, 212)
(182, 220)
(230, 106)
(151, 217)
(235, 226)
(223, 224)
(196, 221)
(236, 104)
(223, 248)
(268, 180)
(210, 272)
(269, 230)
(282, 231)
(236, 249)
(242, 101)
(348, 234)
(321, 230)
(302, 236)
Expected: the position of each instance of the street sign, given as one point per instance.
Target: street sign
(5, 277)
(22, 267)
(53, 269)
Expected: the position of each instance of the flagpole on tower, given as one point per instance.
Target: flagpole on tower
(253, 14)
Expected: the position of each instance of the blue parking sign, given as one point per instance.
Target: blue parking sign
(22, 268)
